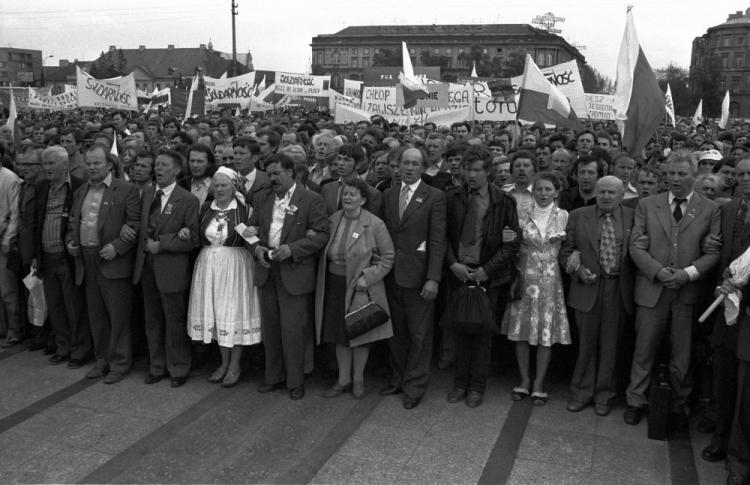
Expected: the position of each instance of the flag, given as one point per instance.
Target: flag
(12, 114)
(639, 102)
(189, 105)
(724, 111)
(178, 98)
(113, 149)
(413, 89)
(698, 116)
(670, 106)
(542, 101)
(260, 87)
(474, 69)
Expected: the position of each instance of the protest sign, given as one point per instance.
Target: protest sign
(353, 89)
(600, 106)
(115, 93)
(335, 98)
(292, 84)
(37, 100)
(567, 79)
(382, 100)
(388, 76)
(229, 92)
(437, 96)
(347, 114)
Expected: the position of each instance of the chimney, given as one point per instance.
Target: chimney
(111, 48)
(170, 46)
(141, 47)
(64, 62)
(203, 47)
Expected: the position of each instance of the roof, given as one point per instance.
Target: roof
(167, 62)
(456, 29)
(63, 73)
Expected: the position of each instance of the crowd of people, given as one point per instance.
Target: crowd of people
(159, 235)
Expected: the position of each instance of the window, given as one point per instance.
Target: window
(436, 52)
(412, 52)
(484, 51)
(460, 51)
(739, 59)
(366, 51)
(741, 40)
(449, 51)
(735, 84)
(725, 42)
(354, 62)
(722, 85)
(354, 51)
(366, 62)
(725, 60)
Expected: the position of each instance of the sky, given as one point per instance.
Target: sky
(279, 33)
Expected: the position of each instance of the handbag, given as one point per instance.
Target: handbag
(471, 311)
(364, 319)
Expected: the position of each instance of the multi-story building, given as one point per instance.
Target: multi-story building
(346, 54)
(725, 49)
(20, 67)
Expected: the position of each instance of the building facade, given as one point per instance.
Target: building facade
(20, 67)
(346, 54)
(727, 48)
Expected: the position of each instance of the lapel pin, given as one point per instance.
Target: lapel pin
(419, 199)
(355, 235)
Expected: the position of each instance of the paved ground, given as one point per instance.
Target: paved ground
(57, 427)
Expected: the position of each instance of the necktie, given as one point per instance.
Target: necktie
(677, 213)
(156, 203)
(339, 205)
(403, 201)
(607, 245)
(469, 230)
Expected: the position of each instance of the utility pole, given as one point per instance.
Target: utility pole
(234, 41)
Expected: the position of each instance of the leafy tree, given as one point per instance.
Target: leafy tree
(121, 63)
(432, 60)
(595, 82)
(387, 58)
(706, 80)
(677, 77)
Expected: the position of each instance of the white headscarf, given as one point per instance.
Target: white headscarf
(234, 179)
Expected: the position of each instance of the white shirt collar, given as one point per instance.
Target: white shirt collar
(232, 205)
(412, 187)
(687, 197)
(167, 191)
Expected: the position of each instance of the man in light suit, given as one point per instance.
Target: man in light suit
(595, 252)
(246, 152)
(169, 232)
(105, 260)
(349, 156)
(667, 284)
(414, 214)
(292, 229)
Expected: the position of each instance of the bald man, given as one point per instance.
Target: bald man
(595, 254)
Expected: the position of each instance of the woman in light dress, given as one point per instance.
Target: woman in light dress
(224, 303)
(539, 317)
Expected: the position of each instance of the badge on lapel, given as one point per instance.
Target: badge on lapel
(420, 200)
(291, 210)
(355, 235)
(168, 209)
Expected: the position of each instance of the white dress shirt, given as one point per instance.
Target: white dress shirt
(165, 193)
(280, 208)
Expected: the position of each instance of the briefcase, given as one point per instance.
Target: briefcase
(364, 319)
(660, 398)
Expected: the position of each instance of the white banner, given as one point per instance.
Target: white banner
(292, 84)
(229, 90)
(567, 79)
(58, 102)
(346, 114)
(353, 89)
(116, 92)
(381, 100)
(335, 98)
(601, 106)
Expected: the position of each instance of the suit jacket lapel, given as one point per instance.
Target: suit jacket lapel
(695, 205)
(358, 230)
(664, 212)
(592, 229)
(417, 198)
(107, 199)
(290, 215)
(168, 210)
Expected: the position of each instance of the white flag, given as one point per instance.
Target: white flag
(474, 69)
(12, 114)
(698, 116)
(724, 111)
(670, 106)
(193, 87)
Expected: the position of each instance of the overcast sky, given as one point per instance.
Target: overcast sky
(278, 33)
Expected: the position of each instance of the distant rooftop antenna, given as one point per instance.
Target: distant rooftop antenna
(547, 22)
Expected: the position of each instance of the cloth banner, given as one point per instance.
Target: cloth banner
(229, 92)
(59, 102)
(601, 106)
(353, 89)
(115, 93)
(336, 98)
(292, 84)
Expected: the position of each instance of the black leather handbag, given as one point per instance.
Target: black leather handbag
(471, 311)
(364, 319)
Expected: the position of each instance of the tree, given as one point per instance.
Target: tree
(121, 63)
(705, 79)
(595, 82)
(432, 60)
(677, 77)
(387, 58)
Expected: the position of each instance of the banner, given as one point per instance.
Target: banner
(567, 79)
(437, 96)
(485, 105)
(335, 98)
(600, 106)
(39, 101)
(388, 76)
(179, 99)
(347, 114)
(115, 93)
(381, 100)
(353, 89)
(158, 99)
(229, 92)
(292, 84)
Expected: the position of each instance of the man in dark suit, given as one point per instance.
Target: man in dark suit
(105, 260)
(292, 230)
(66, 305)
(414, 214)
(667, 284)
(246, 152)
(477, 214)
(349, 156)
(735, 232)
(595, 252)
(169, 232)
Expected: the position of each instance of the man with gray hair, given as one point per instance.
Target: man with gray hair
(325, 153)
(65, 300)
(595, 253)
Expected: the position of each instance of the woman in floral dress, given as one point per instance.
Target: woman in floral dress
(539, 317)
(224, 304)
